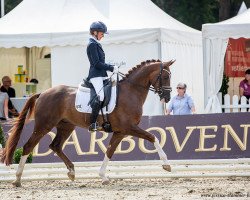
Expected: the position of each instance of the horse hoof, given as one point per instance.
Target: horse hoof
(71, 176)
(167, 167)
(106, 182)
(16, 184)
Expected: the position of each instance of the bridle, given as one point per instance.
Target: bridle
(161, 90)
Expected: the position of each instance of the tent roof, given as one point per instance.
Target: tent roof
(66, 22)
(242, 9)
(236, 27)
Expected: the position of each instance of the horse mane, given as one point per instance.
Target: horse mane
(143, 64)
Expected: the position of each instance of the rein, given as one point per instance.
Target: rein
(135, 84)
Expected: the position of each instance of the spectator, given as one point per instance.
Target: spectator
(4, 105)
(6, 87)
(182, 103)
(244, 87)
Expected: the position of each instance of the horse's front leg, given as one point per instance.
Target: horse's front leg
(162, 155)
(138, 132)
(114, 142)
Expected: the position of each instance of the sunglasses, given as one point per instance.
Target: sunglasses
(180, 88)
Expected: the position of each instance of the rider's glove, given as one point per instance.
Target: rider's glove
(116, 69)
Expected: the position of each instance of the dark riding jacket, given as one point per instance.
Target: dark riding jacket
(96, 56)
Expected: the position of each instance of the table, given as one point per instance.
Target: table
(19, 102)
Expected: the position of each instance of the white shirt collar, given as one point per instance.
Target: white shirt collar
(94, 38)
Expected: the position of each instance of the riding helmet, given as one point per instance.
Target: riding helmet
(98, 26)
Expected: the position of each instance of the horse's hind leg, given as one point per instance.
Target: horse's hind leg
(64, 129)
(114, 141)
(36, 136)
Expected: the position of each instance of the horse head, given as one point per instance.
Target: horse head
(161, 81)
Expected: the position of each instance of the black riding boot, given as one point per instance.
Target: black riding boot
(93, 117)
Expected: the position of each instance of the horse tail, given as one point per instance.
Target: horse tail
(16, 130)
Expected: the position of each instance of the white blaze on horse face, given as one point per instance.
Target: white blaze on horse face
(161, 153)
(103, 168)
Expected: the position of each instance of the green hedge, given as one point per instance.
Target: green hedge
(2, 138)
(17, 156)
(18, 152)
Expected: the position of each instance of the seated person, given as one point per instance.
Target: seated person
(244, 87)
(6, 87)
(4, 105)
(182, 103)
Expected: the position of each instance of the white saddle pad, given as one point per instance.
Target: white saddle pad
(83, 97)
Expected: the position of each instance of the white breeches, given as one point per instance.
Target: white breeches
(98, 85)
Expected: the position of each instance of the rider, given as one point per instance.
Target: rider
(98, 69)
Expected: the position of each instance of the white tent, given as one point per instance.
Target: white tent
(243, 8)
(138, 29)
(215, 39)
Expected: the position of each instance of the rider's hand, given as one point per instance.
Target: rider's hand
(116, 69)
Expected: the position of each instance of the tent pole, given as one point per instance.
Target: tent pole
(160, 57)
(2, 8)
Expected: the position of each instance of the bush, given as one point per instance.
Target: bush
(224, 86)
(2, 138)
(17, 156)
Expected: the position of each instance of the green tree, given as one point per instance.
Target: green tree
(197, 12)
(18, 154)
(224, 86)
(10, 4)
(192, 13)
(230, 8)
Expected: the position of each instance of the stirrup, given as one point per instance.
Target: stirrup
(94, 127)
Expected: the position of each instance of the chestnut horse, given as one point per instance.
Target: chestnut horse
(56, 108)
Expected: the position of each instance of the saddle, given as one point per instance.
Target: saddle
(107, 87)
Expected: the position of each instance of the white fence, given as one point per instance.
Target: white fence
(133, 170)
(234, 105)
